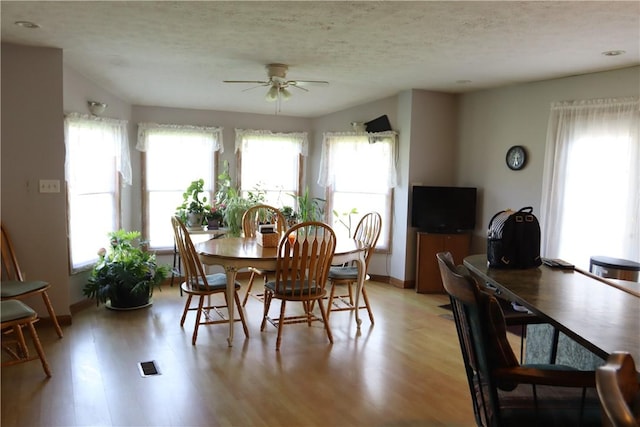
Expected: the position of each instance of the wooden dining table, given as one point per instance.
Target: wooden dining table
(236, 253)
(600, 314)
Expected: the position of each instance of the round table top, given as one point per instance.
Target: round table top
(248, 248)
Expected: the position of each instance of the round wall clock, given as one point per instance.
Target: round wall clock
(516, 157)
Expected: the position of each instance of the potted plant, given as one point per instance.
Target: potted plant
(235, 205)
(193, 209)
(215, 216)
(289, 215)
(125, 274)
(309, 208)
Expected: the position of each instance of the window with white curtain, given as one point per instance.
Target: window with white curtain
(97, 151)
(272, 163)
(172, 157)
(591, 185)
(358, 171)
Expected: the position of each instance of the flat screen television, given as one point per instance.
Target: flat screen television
(443, 209)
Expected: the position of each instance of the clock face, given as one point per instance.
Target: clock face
(516, 157)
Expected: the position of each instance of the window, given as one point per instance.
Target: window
(97, 149)
(358, 171)
(591, 189)
(173, 157)
(271, 163)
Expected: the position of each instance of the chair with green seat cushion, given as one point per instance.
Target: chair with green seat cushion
(14, 315)
(504, 392)
(13, 285)
(197, 283)
(302, 265)
(367, 231)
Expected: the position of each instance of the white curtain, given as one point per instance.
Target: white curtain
(104, 132)
(209, 136)
(339, 149)
(296, 141)
(591, 184)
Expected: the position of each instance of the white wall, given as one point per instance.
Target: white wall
(33, 149)
(492, 121)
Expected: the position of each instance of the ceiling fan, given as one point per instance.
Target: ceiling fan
(278, 83)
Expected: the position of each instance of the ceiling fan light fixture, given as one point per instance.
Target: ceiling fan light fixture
(285, 94)
(272, 94)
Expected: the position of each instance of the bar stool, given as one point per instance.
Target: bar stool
(615, 268)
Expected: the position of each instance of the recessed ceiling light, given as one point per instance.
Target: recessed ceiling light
(614, 52)
(27, 24)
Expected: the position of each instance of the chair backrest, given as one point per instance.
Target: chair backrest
(262, 214)
(10, 267)
(304, 258)
(619, 391)
(194, 274)
(483, 338)
(368, 231)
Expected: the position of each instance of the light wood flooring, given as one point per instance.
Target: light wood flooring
(404, 371)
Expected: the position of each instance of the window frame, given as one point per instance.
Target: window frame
(121, 175)
(300, 136)
(143, 144)
(326, 178)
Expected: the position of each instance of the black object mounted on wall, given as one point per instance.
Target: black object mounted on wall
(380, 124)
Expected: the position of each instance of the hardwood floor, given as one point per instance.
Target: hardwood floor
(404, 371)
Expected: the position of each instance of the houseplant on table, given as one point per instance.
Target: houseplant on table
(235, 205)
(125, 274)
(215, 216)
(309, 208)
(194, 206)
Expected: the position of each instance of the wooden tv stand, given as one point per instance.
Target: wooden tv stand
(428, 280)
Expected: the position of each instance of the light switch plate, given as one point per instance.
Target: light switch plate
(49, 185)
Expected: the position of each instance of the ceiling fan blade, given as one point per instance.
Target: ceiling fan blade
(253, 87)
(299, 87)
(307, 82)
(247, 81)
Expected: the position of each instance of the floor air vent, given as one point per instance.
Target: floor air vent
(148, 369)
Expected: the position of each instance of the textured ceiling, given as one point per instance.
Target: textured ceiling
(177, 53)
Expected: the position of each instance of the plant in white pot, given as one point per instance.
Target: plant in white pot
(193, 209)
(125, 275)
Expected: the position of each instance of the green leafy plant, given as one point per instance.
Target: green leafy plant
(194, 203)
(124, 270)
(344, 218)
(309, 208)
(235, 204)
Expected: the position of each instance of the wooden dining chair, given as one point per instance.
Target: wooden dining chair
(503, 391)
(15, 315)
(252, 218)
(618, 387)
(367, 231)
(302, 265)
(197, 283)
(13, 286)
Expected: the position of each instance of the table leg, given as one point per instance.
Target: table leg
(231, 273)
(361, 278)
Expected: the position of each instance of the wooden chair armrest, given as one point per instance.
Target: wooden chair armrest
(541, 376)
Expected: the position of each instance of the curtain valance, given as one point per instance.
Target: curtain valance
(103, 131)
(210, 136)
(355, 146)
(245, 136)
